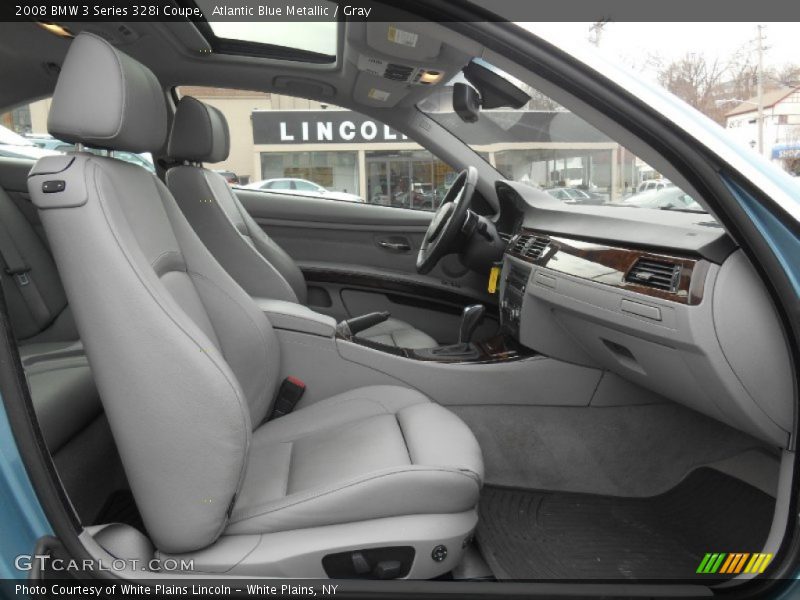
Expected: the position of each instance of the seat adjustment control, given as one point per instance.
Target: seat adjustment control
(388, 569)
(360, 564)
(389, 562)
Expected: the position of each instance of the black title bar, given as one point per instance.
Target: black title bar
(408, 10)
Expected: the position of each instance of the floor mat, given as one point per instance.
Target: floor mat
(534, 535)
(121, 508)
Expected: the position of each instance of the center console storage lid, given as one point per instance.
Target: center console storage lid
(296, 317)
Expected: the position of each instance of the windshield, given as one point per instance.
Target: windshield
(546, 146)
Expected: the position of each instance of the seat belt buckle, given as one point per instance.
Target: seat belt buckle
(289, 394)
(21, 275)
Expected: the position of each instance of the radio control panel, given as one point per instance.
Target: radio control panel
(515, 281)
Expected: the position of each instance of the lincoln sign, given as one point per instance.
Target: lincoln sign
(347, 127)
(319, 127)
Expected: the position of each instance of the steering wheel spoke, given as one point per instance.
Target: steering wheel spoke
(445, 229)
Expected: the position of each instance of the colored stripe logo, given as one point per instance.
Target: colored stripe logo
(733, 563)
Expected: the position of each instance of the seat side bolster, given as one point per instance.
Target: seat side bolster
(200, 197)
(376, 495)
(273, 253)
(438, 438)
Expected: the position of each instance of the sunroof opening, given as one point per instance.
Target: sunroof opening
(319, 38)
(309, 41)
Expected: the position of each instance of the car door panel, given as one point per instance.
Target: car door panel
(360, 258)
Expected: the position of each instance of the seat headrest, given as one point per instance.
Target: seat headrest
(106, 99)
(199, 132)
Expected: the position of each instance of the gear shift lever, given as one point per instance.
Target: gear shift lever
(463, 350)
(469, 322)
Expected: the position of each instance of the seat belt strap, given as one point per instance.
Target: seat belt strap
(19, 270)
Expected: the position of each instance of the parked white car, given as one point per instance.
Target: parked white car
(653, 185)
(13, 145)
(301, 187)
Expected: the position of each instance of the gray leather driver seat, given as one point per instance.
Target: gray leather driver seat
(187, 369)
(200, 134)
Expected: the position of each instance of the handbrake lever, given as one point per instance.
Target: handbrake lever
(351, 327)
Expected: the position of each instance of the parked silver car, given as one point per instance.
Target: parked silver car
(301, 187)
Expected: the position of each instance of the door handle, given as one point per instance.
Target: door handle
(394, 246)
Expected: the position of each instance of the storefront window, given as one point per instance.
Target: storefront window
(312, 173)
(407, 178)
(580, 169)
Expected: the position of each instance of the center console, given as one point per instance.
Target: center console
(501, 347)
(489, 368)
(498, 348)
(290, 319)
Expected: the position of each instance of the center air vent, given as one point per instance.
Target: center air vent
(661, 275)
(537, 247)
(529, 246)
(519, 244)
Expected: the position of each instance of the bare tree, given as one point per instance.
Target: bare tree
(743, 74)
(705, 83)
(786, 76)
(696, 80)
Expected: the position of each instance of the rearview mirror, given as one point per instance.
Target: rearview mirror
(466, 102)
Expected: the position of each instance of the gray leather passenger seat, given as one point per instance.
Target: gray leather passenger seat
(187, 366)
(200, 134)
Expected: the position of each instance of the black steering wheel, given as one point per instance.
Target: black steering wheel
(448, 221)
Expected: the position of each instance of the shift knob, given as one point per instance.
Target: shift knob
(469, 322)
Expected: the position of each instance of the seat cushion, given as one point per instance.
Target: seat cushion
(64, 396)
(394, 332)
(354, 457)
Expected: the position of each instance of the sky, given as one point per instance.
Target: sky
(631, 43)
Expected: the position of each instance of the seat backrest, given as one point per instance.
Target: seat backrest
(35, 297)
(185, 362)
(200, 134)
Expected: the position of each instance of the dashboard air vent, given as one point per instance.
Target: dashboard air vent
(519, 244)
(661, 275)
(537, 247)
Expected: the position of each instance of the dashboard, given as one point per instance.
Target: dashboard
(672, 306)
